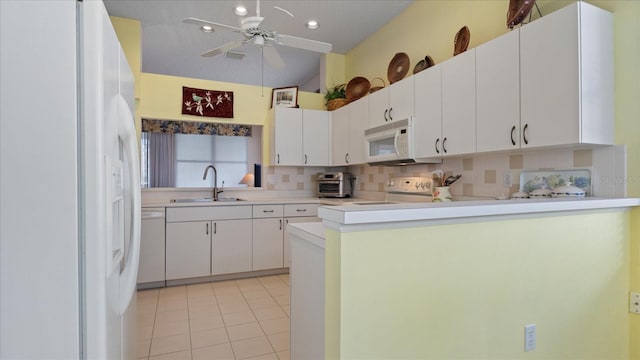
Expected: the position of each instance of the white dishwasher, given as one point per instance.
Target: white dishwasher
(151, 272)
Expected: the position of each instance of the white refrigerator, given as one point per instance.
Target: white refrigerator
(69, 184)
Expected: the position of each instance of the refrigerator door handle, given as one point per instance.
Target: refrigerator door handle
(127, 132)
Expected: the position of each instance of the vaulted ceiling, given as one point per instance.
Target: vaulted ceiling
(172, 47)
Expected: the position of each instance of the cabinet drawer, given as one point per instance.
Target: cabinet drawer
(291, 210)
(267, 211)
(198, 213)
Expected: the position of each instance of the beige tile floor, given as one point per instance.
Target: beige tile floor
(236, 319)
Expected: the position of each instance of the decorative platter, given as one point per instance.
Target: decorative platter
(398, 67)
(551, 179)
(357, 88)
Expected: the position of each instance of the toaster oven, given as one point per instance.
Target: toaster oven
(334, 184)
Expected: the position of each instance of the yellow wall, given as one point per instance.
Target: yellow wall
(160, 96)
(468, 290)
(428, 28)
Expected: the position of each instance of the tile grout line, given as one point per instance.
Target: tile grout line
(257, 320)
(222, 317)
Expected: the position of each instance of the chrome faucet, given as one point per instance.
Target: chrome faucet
(215, 181)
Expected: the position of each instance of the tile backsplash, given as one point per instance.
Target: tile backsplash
(482, 175)
(487, 175)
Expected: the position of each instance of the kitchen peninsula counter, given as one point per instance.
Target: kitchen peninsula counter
(463, 279)
(349, 216)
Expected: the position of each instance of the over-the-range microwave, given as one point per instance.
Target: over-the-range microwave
(393, 144)
(389, 143)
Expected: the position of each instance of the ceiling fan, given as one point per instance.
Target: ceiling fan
(261, 37)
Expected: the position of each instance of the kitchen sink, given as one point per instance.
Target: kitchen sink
(206, 200)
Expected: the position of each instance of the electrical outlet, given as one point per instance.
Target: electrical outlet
(634, 302)
(506, 180)
(530, 337)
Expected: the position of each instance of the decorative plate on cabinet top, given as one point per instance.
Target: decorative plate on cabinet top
(423, 64)
(461, 41)
(398, 67)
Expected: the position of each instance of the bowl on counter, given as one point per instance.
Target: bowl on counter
(520, 195)
(568, 190)
(542, 192)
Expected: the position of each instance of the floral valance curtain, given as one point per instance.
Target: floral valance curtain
(190, 127)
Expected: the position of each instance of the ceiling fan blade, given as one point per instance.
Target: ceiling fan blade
(271, 55)
(200, 22)
(224, 48)
(305, 44)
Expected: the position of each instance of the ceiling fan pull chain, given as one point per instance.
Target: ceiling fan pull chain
(258, 9)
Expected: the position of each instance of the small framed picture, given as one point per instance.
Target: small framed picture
(285, 97)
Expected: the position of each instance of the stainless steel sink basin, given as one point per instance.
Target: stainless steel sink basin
(206, 200)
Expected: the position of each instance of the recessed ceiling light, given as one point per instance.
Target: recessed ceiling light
(240, 10)
(206, 28)
(312, 24)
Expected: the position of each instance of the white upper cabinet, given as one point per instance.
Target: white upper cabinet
(288, 137)
(459, 104)
(301, 137)
(498, 93)
(394, 102)
(358, 122)
(427, 125)
(340, 136)
(348, 124)
(566, 61)
(315, 137)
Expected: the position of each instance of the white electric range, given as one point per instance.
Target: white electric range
(410, 189)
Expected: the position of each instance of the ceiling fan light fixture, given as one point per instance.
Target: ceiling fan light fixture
(312, 24)
(240, 10)
(206, 28)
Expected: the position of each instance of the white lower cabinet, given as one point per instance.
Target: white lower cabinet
(268, 230)
(188, 249)
(231, 246)
(267, 243)
(229, 239)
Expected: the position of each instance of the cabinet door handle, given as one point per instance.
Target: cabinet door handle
(280, 224)
(346, 158)
(207, 232)
(305, 159)
(524, 133)
(267, 211)
(278, 161)
(444, 143)
(437, 146)
(513, 129)
(301, 210)
(390, 116)
(215, 228)
(385, 114)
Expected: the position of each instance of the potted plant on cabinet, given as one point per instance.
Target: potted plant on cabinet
(336, 97)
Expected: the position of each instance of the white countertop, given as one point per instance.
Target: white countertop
(383, 215)
(312, 232)
(281, 200)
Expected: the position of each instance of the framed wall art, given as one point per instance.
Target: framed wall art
(285, 97)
